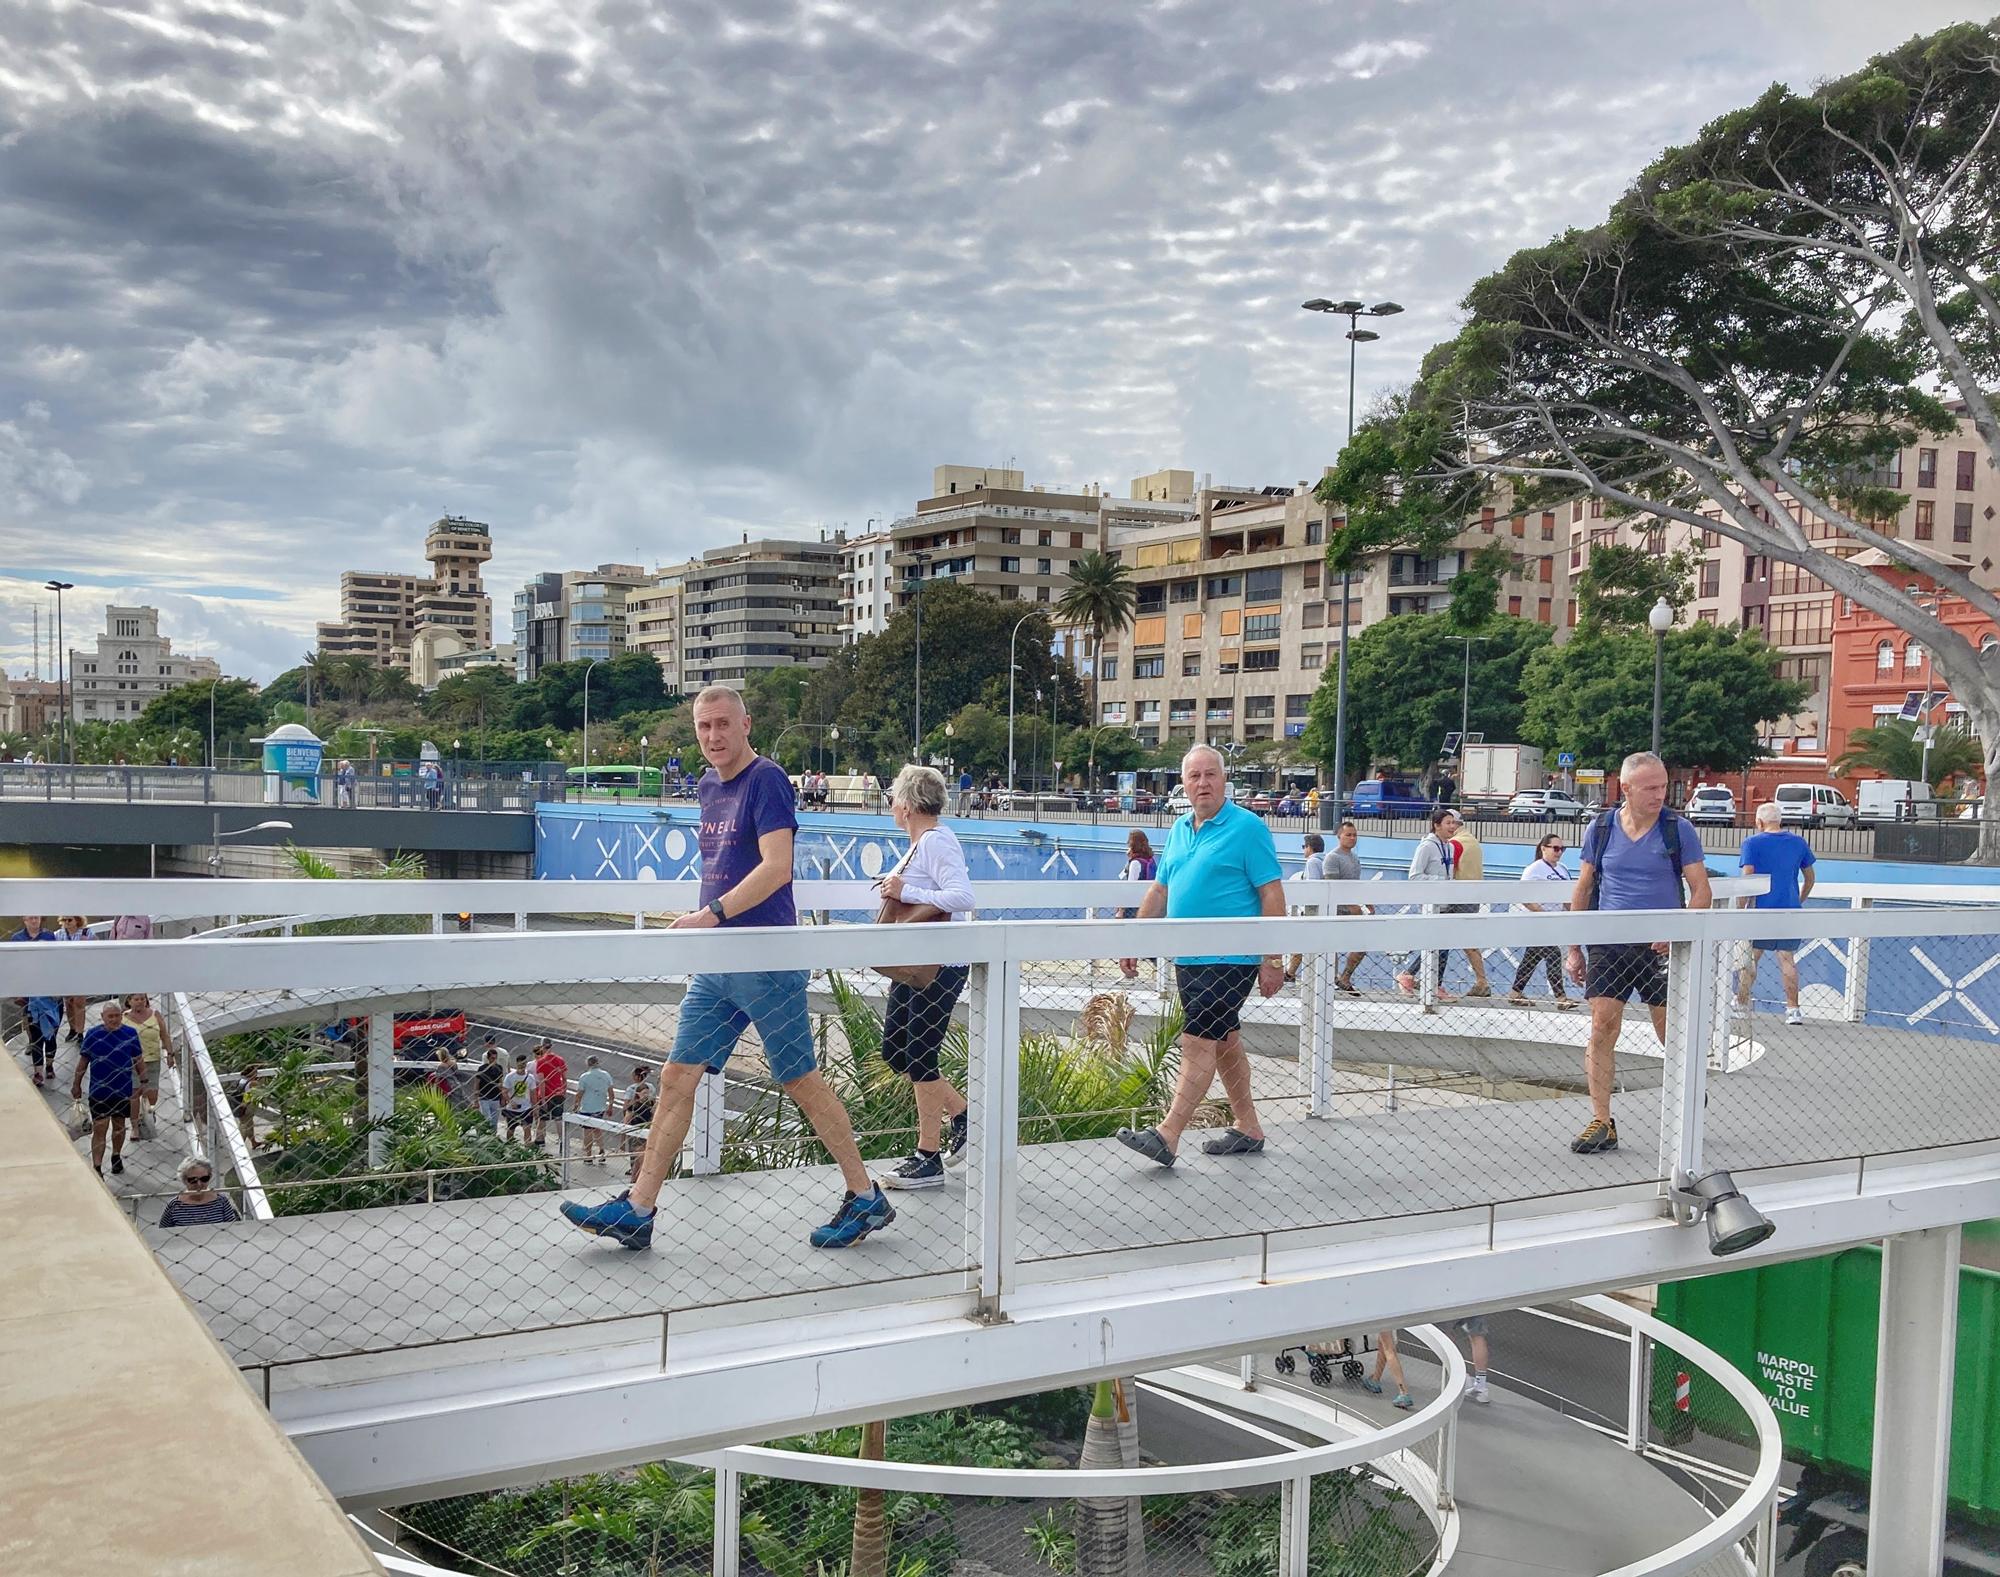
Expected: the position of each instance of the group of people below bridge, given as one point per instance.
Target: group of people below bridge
(1219, 862)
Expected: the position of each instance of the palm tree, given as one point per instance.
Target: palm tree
(321, 671)
(869, 1554)
(1109, 1528)
(1894, 750)
(1100, 597)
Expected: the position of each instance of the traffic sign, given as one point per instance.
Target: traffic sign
(1566, 759)
(1450, 748)
(673, 763)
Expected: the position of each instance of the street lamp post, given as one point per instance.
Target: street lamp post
(1659, 620)
(216, 835)
(1353, 311)
(642, 763)
(1012, 668)
(63, 675)
(1465, 689)
(917, 600)
(586, 721)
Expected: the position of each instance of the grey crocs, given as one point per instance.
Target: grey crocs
(1147, 1142)
(1232, 1141)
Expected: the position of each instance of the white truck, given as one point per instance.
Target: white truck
(1491, 775)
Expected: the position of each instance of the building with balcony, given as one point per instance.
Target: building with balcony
(133, 664)
(867, 585)
(575, 616)
(763, 603)
(382, 613)
(652, 622)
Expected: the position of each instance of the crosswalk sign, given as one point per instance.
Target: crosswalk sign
(1566, 759)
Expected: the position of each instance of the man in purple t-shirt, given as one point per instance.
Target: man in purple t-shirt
(747, 822)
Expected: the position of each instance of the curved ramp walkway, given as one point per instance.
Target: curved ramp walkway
(113, 1382)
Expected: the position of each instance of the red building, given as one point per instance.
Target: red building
(1875, 665)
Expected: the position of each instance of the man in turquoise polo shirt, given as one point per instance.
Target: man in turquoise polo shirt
(1219, 863)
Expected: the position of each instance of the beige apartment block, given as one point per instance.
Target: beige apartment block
(1953, 509)
(653, 622)
(1237, 615)
(760, 604)
(381, 613)
(133, 664)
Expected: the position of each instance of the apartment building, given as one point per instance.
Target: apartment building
(764, 603)
(1237, 615)
(653, 620)
(133, 664)
(1953, 511)
(382, 612)
(574, 616)
(867, 585)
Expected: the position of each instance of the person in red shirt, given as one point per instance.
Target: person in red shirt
(553, 1074)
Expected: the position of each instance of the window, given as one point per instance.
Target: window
(1312, 656)
(1110, 667)
(1150, 599)
(1185, 591)
(1042, 594)
(1264, 585)
(1045, 566)
(1312, 577)
(1597, 509)
(1298, 705)
(1961, 522)
(1513, 607)
(1010, 566)
(1180, 711)
(1926, 519)
(1486, 521)
(1075, 540)
(1262, 625)
(1967, 460)
(1569, 613)
(1149, 711)
(1315, 533)
(1225, 585)
(1260, 706)
(1711, 579)
(1150, 632)
(1913, 656)
(1542, 609)
(1927, 468)
(1520, 526)
(1262, 661)
(1010, 534)
(1114, 711)
(1315, 616)
(1221, 709)
(1190, 626)
(1190, 665)
(1146, 668)
(1548, 525)
(1885, 657)
(1547, 572)
(1045, 539)
(1576, 510)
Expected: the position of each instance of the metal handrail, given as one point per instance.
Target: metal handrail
(221, 1115)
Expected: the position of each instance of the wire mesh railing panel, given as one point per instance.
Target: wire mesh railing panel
(657, 1520)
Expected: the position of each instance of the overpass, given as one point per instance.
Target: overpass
(425, 1348)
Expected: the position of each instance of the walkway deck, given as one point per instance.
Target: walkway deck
(380, 1280)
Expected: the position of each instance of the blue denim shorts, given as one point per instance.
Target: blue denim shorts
(718, 1008)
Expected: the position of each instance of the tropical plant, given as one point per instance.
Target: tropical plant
(1100, 598)
(666, 1509)
(1895, 750)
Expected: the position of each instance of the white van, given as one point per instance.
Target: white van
(1896, 799)
(1813, 805)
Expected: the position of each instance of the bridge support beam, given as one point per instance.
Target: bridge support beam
(381, 1081)
(1913, 1386)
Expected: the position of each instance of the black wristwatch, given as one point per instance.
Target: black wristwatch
(715, 908)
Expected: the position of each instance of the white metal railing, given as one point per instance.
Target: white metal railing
(206, 1107)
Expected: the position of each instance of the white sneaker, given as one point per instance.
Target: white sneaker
(1794, 1016)
(1475, 1391)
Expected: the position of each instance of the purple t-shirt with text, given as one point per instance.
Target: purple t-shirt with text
(734, 814)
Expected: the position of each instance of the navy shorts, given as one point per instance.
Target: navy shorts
(1212, 997)
(914, 1026)
(1620, 970)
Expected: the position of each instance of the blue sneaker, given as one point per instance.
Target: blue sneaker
(618, 1219)
(858, 1215)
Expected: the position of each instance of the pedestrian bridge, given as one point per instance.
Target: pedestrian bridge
(478, 1341)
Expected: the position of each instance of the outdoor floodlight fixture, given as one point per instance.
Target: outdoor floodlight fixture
(1362, 336)
(1734, 1224)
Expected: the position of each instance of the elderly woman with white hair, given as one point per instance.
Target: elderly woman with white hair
(198, 1204)
(932, 874)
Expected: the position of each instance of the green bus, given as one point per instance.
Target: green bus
(605, 781)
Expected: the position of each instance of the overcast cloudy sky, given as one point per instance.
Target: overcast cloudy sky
(281, 284)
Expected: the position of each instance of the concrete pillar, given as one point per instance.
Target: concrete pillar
(381, 1080)
(1913, 1386)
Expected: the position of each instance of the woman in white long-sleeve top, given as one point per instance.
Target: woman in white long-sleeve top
(913, 1029)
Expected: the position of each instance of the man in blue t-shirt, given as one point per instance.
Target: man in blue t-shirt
(748, 818)
(1219, 863)
(112, 1055)
(1629, 860)
(1787, 859)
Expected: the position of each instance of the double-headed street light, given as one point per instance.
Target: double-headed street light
(1354, 312)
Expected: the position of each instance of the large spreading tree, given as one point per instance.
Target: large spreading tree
(1765, 319)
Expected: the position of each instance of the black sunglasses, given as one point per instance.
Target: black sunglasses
(198, 1177)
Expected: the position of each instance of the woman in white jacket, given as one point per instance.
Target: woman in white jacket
(914, 1027)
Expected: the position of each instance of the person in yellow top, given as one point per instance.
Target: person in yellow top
(1468, 864)
(1312, 800)
(156, 1043)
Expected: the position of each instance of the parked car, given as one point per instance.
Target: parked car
(1386, 797)
(1813, 805)
(1895, 799)
(1712, 805)
(1544, 805)
(1291, 805)
(1178, 803)
(1261, 802)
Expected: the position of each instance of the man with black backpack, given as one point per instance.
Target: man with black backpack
(1635, 857)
